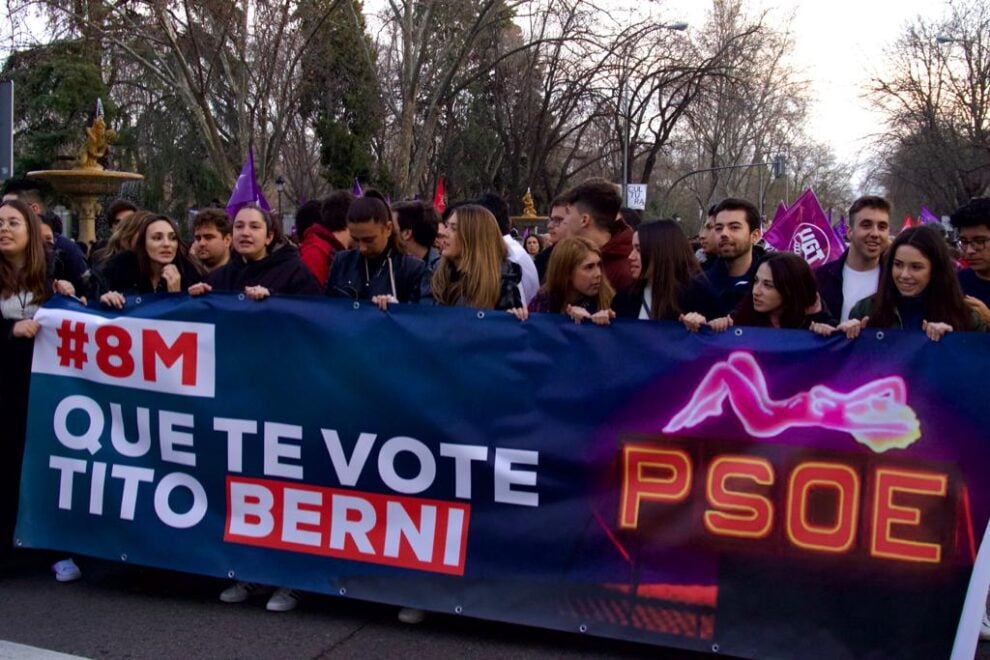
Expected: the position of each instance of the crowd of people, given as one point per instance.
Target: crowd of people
(597, 262)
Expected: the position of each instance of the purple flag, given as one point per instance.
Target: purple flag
(804, 230)
(246, 190)
(356, 190)
(842, 229)
(927, 217)
(779, 213)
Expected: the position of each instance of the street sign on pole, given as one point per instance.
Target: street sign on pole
(6, 129)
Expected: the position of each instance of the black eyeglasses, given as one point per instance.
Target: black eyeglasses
(978, 243)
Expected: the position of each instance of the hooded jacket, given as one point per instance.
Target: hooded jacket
(317, 250)
(281, 272)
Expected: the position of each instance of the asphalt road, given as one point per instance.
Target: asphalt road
(119, 611)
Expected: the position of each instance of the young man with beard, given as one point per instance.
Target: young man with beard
(737, 229)
(972, 221)
(855, 276)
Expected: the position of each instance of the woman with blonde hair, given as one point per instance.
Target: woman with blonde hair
(576, 284)
(474, 270)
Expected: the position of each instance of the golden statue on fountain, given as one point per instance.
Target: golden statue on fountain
(88, 181)
(98, 141)
(529, 209)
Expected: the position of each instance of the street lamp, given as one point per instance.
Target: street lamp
(279, 187)
(676, 26)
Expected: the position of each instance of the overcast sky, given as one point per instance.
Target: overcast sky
(839, 45)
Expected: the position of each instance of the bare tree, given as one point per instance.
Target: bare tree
(936, 147)
(741, 118)
(233, 67)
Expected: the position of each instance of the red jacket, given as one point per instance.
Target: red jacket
(615, 258)
(316, 250)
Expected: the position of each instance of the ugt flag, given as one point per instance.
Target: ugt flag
(804, 229)
(246, 190)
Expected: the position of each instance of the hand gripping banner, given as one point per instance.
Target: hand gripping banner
(753, 493)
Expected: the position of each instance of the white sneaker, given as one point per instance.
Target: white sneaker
(240, 592)
(985, 628)
(411, 615)
(283, 600)
(66, 570)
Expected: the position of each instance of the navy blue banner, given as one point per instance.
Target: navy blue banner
(754, 493)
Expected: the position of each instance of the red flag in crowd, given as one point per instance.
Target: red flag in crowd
(438, 199)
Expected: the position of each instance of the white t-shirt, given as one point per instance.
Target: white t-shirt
(856, 285)
(19, 307)
(530, 283)
(645, 302)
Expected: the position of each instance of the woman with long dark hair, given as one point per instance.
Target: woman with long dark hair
(669, 283)
(376, 269)
(575, 286)
(474, 269)
(784, 295)
(533, 244)
(26, 283)
(918, 290)
(157, 264)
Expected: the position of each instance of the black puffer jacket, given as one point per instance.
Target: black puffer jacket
(122, 274)
(281, 272)
(353, 276)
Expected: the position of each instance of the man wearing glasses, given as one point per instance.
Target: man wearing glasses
(557, 210)
(972, 221)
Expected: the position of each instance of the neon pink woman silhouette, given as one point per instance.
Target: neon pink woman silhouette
(876, 414)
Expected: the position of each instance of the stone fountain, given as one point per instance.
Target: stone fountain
(88, 181)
